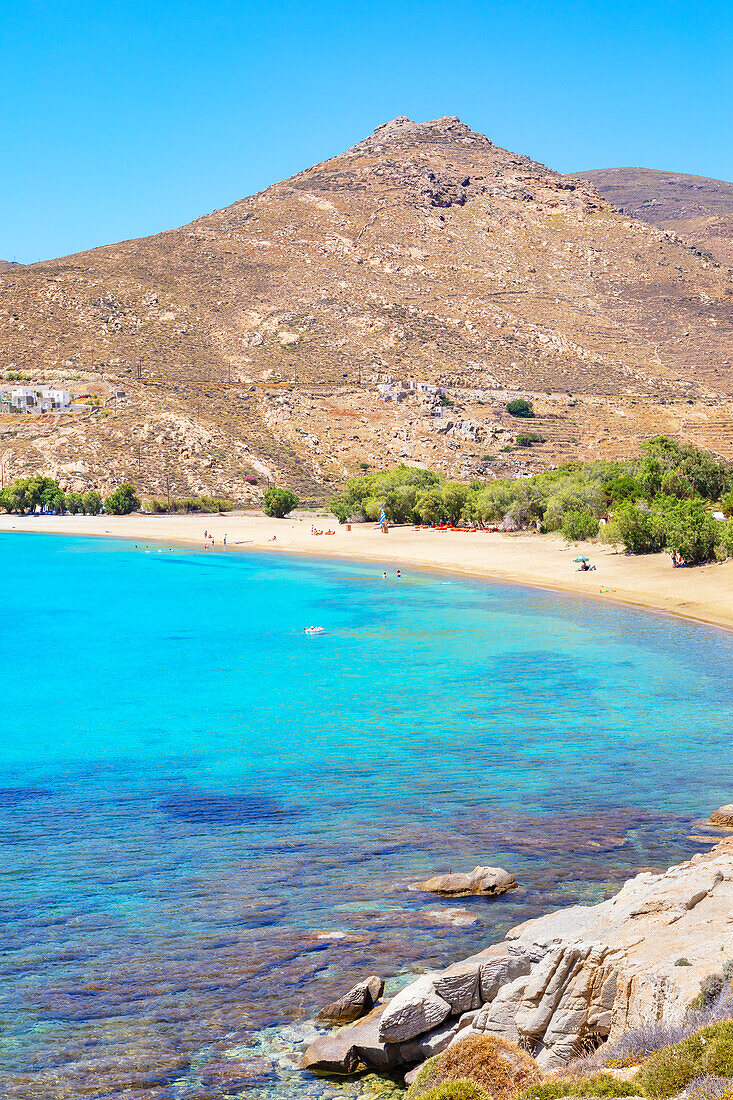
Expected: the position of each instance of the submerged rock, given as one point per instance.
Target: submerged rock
(232, 1075)
(485, 881)
(357, 1002)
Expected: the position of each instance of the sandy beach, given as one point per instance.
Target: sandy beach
(703, 593)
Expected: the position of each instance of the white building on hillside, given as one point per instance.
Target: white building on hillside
(38, 399)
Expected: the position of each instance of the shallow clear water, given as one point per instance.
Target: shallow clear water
(209, 818)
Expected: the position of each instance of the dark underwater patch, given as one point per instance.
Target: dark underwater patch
(13, 796)
(225, 809)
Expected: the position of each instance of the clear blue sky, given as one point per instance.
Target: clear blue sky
(119, 119)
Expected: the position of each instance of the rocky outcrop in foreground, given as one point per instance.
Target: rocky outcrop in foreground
(563, 982)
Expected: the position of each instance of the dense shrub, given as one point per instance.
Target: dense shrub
(622, 489)
(709, 1087)
(688, 529)
(526, 439)
(724, 545)
(597, 1084)
(497, 1066)
(668, 1072)
(457, 1090)
(278, 502)
(579, 524)
(681, 469)
(633, 528)
(122, 501)
(520, 407)
(187, 505)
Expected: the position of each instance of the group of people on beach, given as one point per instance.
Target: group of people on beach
(210, 541)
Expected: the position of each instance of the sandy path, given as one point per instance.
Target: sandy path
(704, 593)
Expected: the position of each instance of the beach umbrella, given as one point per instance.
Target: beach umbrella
(581, 558)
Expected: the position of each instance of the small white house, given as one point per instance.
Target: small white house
(39, 399)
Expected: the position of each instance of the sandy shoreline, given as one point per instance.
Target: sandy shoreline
(704, 594)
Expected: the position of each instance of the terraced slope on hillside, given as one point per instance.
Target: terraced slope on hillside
(700, 210)
(251, 342)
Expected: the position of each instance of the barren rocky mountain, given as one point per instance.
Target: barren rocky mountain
(7, 265)
(253, 342)
(698, 209)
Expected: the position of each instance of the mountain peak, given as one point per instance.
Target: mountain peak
(404, 132)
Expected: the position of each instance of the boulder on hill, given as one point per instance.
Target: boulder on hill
(359, 1000)
(483, 881)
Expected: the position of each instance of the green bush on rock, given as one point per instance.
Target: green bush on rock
(521, 407)
(708, 1051)
(598, 1084)
(457, 1090)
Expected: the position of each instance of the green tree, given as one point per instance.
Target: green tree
(340, 510)
(455, 496)
(278, 502)
(633, 527)
(579, 524)
(623, 488)
(724, 545)
(399, 504)
(494, 501)
(74, 503)
(122, 501)
(689, 530)
(574, 495)
(521, 407)
(727, 504)
(92, 503)
(57, 502)
(431, 507)
(695, 471)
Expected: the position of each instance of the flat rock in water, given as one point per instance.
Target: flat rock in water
(359, 1000)
(484, 881)
(722, 816)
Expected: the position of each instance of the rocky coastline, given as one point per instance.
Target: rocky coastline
(561, 984)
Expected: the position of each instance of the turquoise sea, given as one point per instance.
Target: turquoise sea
(209, 818)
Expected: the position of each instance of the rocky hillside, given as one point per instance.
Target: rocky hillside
(251, 342)
(700, 210)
